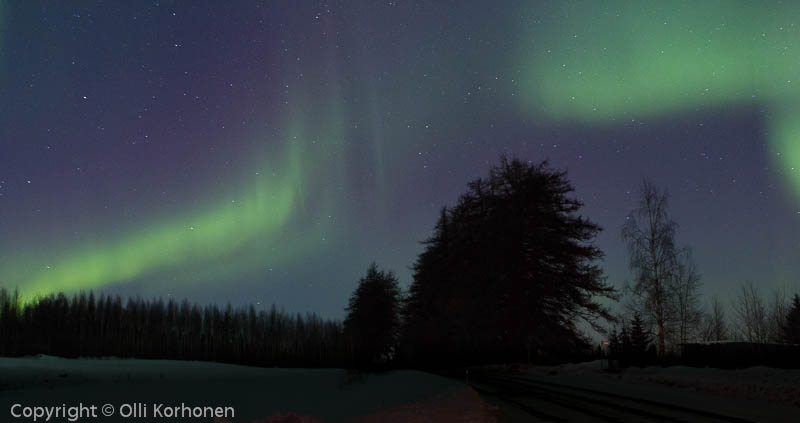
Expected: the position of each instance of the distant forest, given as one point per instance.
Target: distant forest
(510, 274)
(85, 326)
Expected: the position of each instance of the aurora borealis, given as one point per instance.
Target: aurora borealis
(648, 60)
(268, 152)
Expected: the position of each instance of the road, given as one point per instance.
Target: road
(524, 399)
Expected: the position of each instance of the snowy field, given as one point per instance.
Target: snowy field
(256, 394)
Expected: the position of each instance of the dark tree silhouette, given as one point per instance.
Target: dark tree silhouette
(373, 318)
(639, 342)
(615, 345)
(507, 273)
(633, 345)
(9, 321)
(791, 329)
(91, 326)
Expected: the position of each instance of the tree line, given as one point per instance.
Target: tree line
(506, 275)
(87, 326)
(510, 273)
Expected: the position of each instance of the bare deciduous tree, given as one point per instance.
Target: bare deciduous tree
(714, 327)
(659, 266)
(685, 286)
(751, 314)
(776, 316)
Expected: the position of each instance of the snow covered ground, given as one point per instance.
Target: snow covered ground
(257, 394)
(757, 393)
(273, 395)
(780, 386)
(774, 385)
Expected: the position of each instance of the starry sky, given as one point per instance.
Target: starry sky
(267, 152)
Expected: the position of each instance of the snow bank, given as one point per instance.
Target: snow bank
(755, 391)
(766, 383)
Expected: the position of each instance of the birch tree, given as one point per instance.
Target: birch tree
(666, 280)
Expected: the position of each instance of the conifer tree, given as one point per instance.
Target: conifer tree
(791, 329)
(373, 317)
(507, 272)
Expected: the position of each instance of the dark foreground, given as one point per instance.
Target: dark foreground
(153, 391)
(587, 396)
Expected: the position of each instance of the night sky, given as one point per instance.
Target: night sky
(267, 152)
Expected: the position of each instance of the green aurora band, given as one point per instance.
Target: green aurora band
(216, 232)
(580, 62)
(610, 62)
(267, 224)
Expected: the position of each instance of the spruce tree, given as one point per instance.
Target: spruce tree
(640, 339)
(507, 272)
(791, 329)
(372, 322)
